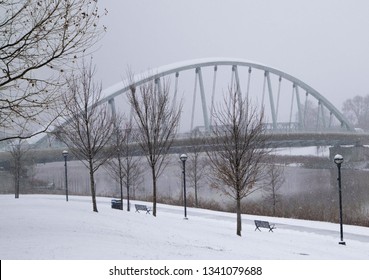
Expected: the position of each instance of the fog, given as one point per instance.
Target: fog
(306, 192)
(323, 43)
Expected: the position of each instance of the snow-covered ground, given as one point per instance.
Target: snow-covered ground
(47, 227)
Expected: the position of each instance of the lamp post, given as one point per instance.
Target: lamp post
(65, 154)
(183, 158)
(338, 159)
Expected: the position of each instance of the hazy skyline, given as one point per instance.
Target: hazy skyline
(323, 43)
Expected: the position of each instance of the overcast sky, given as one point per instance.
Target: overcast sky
(325, 43)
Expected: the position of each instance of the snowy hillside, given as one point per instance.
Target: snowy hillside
(48, 227)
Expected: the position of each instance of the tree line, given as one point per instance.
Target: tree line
(356, 109)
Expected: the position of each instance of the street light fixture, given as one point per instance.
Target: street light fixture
(65, 154)
(183, 158)
(338, 159)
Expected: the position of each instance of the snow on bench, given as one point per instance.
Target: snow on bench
(263, 224)
(140, 207)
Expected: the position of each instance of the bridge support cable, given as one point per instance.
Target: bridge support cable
(321, 116)
(213, 94)
(158, 85)
(248, 92)
(238, 85)
(330, 119)
(299, 109)
(305, 107)
(292, 101)
(111, 103)
(194, 101)
(175, 90)
(278, 96)
(232, 84)
(318, 117)
(203, 100)
(159, 88)
(271, 101)
(248, 84)
(264, 86)
(130, 116)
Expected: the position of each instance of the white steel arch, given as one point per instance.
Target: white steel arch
(176, 68)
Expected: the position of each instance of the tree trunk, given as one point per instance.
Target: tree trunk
(16, 181)
(17, 176)
(128, 198)
(239, 221)
(120, 181)
(93, 191)
(128, 175)
(274, 202)
(196, 198)
(153, 191)
(121, 192)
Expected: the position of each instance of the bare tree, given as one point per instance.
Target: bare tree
(315, 116)
(196, 166)
(157, 122)
(125, 167)
(274, 179)
(237, 149)
(39, 43)
(19, 151)
(90, 127)
(356, 109)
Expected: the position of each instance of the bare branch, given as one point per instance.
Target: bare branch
(157, 122)
(237, 149)
(125, 167)
(88, 129)
(40, 41)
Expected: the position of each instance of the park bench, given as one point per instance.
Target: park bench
(140, 207)
(263, 224)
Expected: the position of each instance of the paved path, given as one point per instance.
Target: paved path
(279, 225)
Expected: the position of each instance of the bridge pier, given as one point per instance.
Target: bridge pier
(350, 153)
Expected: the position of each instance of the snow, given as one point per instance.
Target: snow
(46, 227)
(304, 151)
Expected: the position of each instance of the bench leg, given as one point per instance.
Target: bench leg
(257, 228)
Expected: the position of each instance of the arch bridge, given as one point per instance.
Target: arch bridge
(290, 104)
(297, 114)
